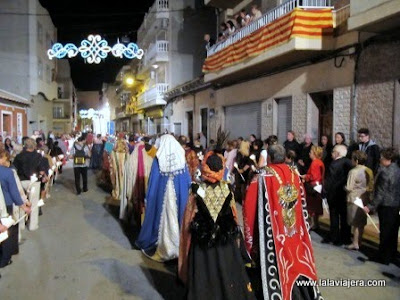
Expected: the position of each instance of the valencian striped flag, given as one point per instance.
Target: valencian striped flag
(310, 24)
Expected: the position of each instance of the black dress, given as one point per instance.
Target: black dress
(216, 267)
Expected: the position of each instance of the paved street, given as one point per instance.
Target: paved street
(80, 251)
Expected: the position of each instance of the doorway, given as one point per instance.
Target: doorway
(320, 115)
(189, 118)
(204, 122)
(6, 118)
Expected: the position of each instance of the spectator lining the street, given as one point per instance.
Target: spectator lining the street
(304, 154)
(315, 175)
(340, 139)
(386, 202)
(360, 184)
(370, 148)
(291, 143)
(340, 231)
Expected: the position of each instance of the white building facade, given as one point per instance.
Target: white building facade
(26, 70)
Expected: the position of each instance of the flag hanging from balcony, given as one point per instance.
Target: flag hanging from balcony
(312, 24)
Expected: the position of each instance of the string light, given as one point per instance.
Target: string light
(94, 49)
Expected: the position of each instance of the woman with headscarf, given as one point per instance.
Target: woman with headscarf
(210, 262)
(166, 198)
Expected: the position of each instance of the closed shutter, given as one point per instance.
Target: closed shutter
(284, 118)
(243, 120)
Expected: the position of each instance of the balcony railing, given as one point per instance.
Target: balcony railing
(267, 18)
(160, 47)
(159, 6)
(153, 96)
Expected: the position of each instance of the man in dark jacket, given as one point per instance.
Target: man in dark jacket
(340, 231)
(386, 202)
(292, 144)
(370, 148)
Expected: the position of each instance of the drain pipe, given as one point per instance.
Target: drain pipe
(354, 100)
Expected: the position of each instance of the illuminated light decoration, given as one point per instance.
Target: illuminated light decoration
(94, 49)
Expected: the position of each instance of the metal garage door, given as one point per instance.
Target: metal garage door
(243, 120)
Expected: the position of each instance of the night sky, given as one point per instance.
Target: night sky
(76, 19)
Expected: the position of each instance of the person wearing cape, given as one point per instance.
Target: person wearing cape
(118, 158)
(277, 233)
(136, 176)
(210, 262)
(166, 198)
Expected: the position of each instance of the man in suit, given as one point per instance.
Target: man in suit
(340, 231)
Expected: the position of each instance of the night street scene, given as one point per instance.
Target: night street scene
(200, 149)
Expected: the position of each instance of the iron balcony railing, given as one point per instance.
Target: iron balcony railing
(267, 18)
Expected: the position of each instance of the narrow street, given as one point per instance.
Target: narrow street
(80, 251)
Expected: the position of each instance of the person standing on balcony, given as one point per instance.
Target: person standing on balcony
(245, 17)
(209, 41)
(224, 29)
(256, 13)
(231, 27)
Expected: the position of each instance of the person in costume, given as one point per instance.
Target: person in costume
(136, 175)
(192, 159)
(210, 261)
(166, 198)
(276, 231)
(118, 158)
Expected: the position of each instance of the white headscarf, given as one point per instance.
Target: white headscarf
(171, 155)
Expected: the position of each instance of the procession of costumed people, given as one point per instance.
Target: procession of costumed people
(190, 214)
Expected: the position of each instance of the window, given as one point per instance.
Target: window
(58, 112)
(48, 74)
(40, 32)
(40, 69)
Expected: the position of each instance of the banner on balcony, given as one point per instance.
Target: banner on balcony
(312, 24)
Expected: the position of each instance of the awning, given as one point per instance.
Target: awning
(12, 97)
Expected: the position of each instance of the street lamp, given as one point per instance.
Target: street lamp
(129, 80)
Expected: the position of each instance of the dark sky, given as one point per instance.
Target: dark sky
(76, 19)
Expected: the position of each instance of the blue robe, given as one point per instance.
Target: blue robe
(148, 236)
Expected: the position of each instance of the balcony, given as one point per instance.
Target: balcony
(153, 96)
(156, 18)
(222, 3)
(120, 112)
(291, 32)
(374, 15)
(156, 53)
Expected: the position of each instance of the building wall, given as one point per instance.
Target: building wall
(40, 115)
(39, 42)
(342, 109)
(14, 110)
(378, 72)
(14, 45)
(297, 83)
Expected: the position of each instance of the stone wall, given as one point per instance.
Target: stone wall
(375, 110)
(342, 111)
(299, 115)
(378, 70)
